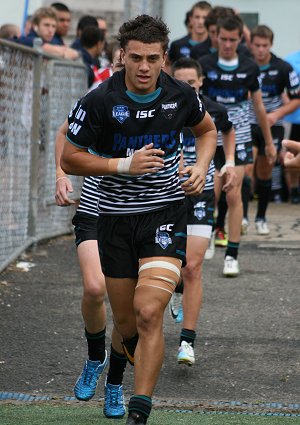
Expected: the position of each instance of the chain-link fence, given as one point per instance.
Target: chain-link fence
(36, 95)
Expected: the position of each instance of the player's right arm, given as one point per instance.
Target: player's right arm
(78, 161)
(63, 183)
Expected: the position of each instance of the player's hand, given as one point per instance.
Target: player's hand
(230, 176)
(271, 153)
(272, 118)
(146, 160)
(63, 187)
(291, 158)
(195, 183)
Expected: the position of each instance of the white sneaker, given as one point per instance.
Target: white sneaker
(175, 305)
(185, 354)
(262, 227)
(231, 267)
(245, 225)
(210, 252)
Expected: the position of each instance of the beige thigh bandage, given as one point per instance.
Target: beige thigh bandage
(159, 274)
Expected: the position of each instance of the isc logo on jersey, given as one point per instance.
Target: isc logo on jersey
(145, 114)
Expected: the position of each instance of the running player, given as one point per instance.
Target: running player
(200, 209)
(93, 306)
(276, 77)
(229, 78)
(133, 123)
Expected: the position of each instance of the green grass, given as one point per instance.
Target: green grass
(64, 414)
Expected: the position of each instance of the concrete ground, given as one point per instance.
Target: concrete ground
(248, 341)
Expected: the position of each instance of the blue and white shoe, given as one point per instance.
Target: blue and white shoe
(179, 318)
(86, 384)
(114, 404)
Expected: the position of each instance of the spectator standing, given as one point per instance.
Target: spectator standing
(63, 23)
(44, 22)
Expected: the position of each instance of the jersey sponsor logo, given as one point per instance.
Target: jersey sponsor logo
(162, 236)
(294, 79)
(120, 113)
(80, 115)
(199, 210)
(163, 141)
(241, 75)
(169, 110)
(273, 72)
(145, 114)
(212, 75)
(227, 77)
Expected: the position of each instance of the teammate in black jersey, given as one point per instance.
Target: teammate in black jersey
(277, 77)
(198, 33)
(229, 78)
(200, 209)
(211, 45)
(132, 123)
(92, 305)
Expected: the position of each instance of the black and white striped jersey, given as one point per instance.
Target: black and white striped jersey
(89, 199)
(113, 123)
(275, 78)
(230, 86)
(219, 115)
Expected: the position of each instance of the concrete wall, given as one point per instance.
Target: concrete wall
(281, 16)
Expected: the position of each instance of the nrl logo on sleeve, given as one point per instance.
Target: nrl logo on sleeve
(120, 113)
(169, 110)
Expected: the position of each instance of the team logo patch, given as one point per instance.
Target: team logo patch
(169, 110)
(200, 213)
(163, 239)
(242, 155)
(120, 113)
(212, 75)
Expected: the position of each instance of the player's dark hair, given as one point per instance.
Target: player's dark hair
(90, 36)
(146, 29)
(216, 13)
(262, 31)
(230, 23)
(61, 7)
(190, 63)
(204, 5)
(86, 21)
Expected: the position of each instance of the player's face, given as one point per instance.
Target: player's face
(228, 42)
(190, 76)
(261, 48)
(197, 20)
(63, 22)
(143, 63)
(117, 64)
(46, 29)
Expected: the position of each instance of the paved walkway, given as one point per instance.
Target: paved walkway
(248, 340)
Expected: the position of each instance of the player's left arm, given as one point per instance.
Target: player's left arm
(205, 142)
(261, 116)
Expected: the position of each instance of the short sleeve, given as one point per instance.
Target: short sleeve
(197, 109)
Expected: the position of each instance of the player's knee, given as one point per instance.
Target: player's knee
(192, 269)
(94, 291)
(148, 316)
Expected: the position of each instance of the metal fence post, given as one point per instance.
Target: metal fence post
(35, 140)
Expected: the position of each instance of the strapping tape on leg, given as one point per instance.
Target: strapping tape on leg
(159, 274)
